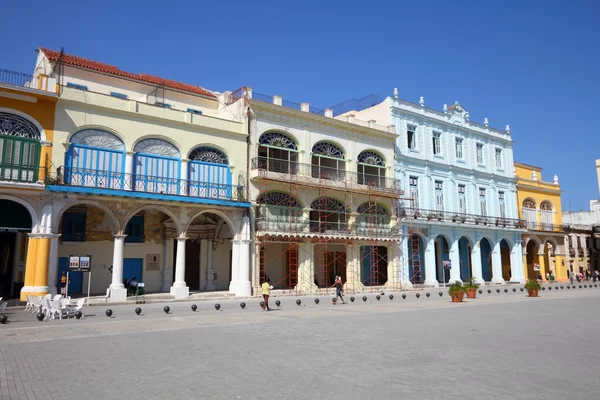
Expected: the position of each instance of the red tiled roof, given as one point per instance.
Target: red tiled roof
(68, 59)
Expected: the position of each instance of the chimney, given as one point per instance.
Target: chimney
(248, 92)
(305, 107)
(277, 100)
(329, 112)
(350, 118)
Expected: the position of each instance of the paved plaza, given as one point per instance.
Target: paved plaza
(499, 346)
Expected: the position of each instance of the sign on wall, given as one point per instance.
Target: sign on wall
(447, 264)
(153, 262)
(80, 262)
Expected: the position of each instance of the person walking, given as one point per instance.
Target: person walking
(338, 289)
(266, 288)
(571, 277)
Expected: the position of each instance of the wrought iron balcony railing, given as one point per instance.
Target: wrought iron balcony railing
(452, 217)
(19, 79)
(542, 226)
(22, 173)
(79, 177)
(292, 225)
(324, 176)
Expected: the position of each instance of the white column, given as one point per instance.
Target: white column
(430, 278)
(306, 269)
(497, 264)
(184, 184)
(404, 259)
(210, 273)
(516, 263)
(242, 287)
(167, 261)
(454, 262)
(117, 290)
(179, 288)
(353, 281)
(53, 264)
(128, 178)
(476, 264)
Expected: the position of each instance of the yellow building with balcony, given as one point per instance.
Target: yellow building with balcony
(27, 113)
(540, 207)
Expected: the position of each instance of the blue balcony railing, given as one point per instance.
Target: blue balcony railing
(117, 181)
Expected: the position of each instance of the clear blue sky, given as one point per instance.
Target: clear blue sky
(516, 62)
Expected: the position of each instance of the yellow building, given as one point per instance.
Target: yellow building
(540, 207)
(27, 109)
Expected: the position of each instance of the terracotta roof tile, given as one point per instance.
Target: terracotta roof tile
(75, 61)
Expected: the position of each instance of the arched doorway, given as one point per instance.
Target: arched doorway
(416, 259)
(442, 258)
(277, 152)
(505, 256)
(208, 253)
(96, 158)
(157, 167)
(328, 162)
(533, 265)
(19, 149)
(15, 222)
(486, 259)
(371, 169)
(209, 173)
(464, 250)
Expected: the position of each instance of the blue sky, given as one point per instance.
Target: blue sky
(515, 62)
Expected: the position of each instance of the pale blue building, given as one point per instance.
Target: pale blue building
(459, 216)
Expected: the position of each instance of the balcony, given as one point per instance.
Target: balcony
(460, 218)
(19, 173)
(27, 81)
(543, 227)
(320, 176)
(79, 180)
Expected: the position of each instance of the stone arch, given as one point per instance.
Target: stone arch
(275, 138)
(446, 237)
(529, 203)
(534, 238)
(98, 128)
(219, 213)
(212, 146)
(28, 206)
(369, 206)
(331, 201)
(553, 241)
(165, 210)
(28, 118)
(278, 197)
(508, 241)
(470, 241)
(335, 144)
(107, 211)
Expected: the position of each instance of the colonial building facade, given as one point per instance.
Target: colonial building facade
(324, 197)
(460, 214)
(148, 179)
(27, 104)
(540, 207)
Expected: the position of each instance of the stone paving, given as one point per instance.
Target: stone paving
(499, 346)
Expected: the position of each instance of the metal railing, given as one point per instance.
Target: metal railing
(19, 79)
(22, 173)
(542, 226)
(297, 225)
(325, 176)
(80, 177)
(464, 218)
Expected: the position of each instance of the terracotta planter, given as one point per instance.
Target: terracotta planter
(457, 297)
(532, 292)
(471, 293)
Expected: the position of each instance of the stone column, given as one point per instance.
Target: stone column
(241, 287)
(517, 274)
(306, 267)
(179, 289)
(455, 262)
(542, 262)
(476, 264)
(353, 282)
(393, 274)
(306, 220)
(53, 264)
(117, 290)
(168, 259)
(210, 273)
(497, 264)
(404, 262)
(430, 278)
(128, 178)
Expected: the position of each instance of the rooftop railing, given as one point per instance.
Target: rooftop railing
(19, 79)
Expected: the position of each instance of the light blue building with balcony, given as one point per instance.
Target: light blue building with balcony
(459, 215)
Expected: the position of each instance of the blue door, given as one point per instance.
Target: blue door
(76, 278)
(132, 267)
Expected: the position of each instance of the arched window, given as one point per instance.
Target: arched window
(530, 213)
(209, 173)
(157, 167)
(372, 218)
(328, 162)
(327, 215)
(547, 215)
(95, 158)
(278, 211)
(19, 149)
(371, 169)
(277, 152)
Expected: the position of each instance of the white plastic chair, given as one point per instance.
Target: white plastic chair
(80, 304)
(29, 302)
(36, 304)
(57, 297)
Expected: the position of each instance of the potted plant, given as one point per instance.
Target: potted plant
(430, 216)
(463, 219)
(440, 216)
(454, 218)
(471, 288)
(456, 292)
(533, 287)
